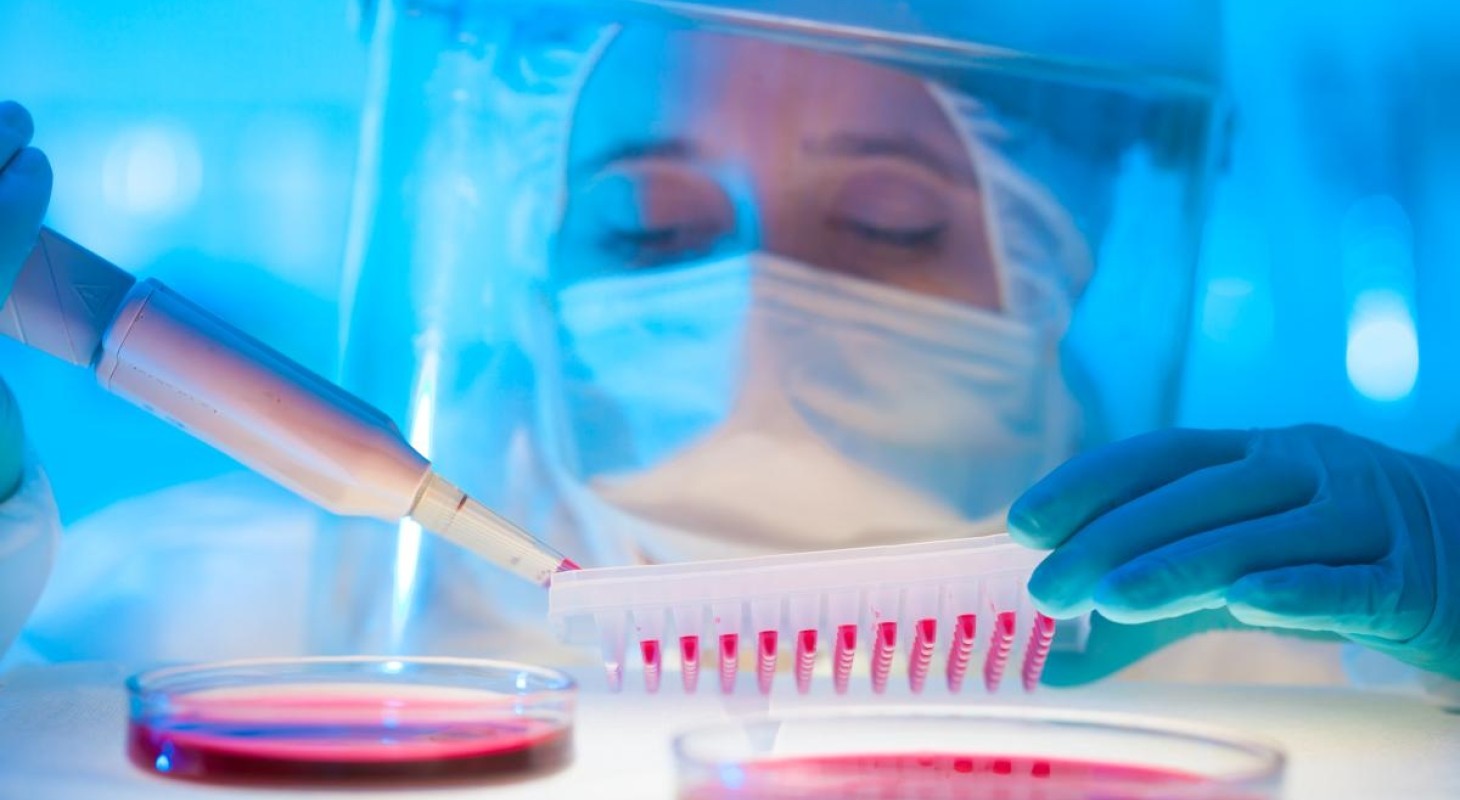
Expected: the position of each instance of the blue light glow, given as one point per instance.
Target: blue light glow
(1382, 354)
(732, 776)
(408, 541)
(153, 170)
(1382, 358)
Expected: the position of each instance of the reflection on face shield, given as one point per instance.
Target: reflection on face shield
(782, 312)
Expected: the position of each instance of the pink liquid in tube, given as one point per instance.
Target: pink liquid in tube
(729, 661)
(894, 776)
(652, 664)
(689, 661)
(999, 649)
(925, 635)
(1040, 639)
(846, 651)
(765, 663)
(884, 647)
(961, 651)
(805, 659)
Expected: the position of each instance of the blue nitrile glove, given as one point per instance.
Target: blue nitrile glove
(25, 188)
(1304, 529)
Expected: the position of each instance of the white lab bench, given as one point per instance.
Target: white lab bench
(62, 730)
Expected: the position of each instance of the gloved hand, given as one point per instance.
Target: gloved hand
(1303, 529)
(25, 188)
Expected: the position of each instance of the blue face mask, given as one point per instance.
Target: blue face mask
(780, 406)
(649, 362)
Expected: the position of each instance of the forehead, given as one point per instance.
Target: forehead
(735, 94)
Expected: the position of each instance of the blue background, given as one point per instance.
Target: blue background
(213, 145)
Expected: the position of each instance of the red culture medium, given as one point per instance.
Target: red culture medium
(318, 751)
(342, 739)
(943, 775)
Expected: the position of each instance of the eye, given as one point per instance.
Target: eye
(925, 238)
(890, 208)
(649, 214)
(660, 245)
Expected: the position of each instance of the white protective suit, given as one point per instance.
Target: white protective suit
(30, 531)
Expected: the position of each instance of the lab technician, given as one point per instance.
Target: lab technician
(776, 299)
(780, 299)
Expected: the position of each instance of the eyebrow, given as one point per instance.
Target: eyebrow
(669, 149)
(856, 145)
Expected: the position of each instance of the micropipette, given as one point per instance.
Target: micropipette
(150, 346)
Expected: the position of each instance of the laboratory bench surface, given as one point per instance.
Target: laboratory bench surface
(62, 733)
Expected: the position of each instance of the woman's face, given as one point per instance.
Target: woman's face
(689, 145)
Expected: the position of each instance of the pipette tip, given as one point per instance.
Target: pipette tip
(446, 510)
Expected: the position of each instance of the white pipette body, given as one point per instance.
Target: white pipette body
(152, 347)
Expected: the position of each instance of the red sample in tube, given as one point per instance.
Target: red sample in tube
(1040, 639)
(961, 651)
(805, 659)
(999, 647)
(925, 635)
(652, 664)
(765, 663)
(321, 752)
(884, 647)
(846, 651)
(729, 661)
(689, 661)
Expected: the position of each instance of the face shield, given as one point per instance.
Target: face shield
(670, 281)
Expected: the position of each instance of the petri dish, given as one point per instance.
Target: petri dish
(351, 719)
(972, 754)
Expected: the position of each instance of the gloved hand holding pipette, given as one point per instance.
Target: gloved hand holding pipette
(150, 346)
(1302, 529)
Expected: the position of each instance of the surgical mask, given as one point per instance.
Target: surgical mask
(755, 404)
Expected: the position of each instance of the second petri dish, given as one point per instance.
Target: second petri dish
(356, 719)
(972, 754)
